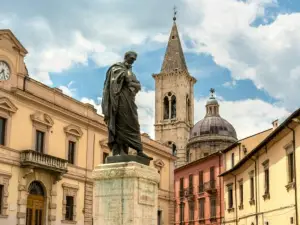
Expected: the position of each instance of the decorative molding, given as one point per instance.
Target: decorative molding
(4, 180)
(265, 164)
(42, 118)
(7, 105)
(7, 34)
(73, 130)
(159, 164)
(72, 186)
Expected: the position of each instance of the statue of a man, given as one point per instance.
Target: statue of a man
(119, 108)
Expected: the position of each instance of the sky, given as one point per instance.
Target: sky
(248, 50)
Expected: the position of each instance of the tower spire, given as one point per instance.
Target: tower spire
(174, 58)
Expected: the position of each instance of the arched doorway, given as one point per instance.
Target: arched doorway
(35, 204)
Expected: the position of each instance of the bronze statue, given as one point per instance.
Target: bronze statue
(119, 108)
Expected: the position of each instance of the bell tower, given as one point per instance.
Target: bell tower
(174, 98)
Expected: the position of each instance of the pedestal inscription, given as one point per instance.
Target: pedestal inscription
(126, 194)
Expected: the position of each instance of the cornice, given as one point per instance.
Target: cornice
(59, 109)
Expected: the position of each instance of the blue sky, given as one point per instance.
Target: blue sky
(246, 50)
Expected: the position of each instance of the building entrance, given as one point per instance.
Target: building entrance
(35, 204)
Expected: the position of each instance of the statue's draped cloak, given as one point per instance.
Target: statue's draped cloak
(119, 109)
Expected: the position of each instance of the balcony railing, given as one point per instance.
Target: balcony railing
(38, 160)
(210, 186)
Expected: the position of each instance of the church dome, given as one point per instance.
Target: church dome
(211, 134)
(213, 125)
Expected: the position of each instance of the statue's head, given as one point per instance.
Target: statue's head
(130, 57)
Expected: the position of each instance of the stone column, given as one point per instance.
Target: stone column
(125, 194)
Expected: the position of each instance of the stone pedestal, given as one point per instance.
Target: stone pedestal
(125, 194)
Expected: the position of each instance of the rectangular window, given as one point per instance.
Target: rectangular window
(267, 181)
(201, 208)
(212, 177)
(69, 208)
(105, 154)
(291, 168)
(2, 130)
(232, 160)
(191, 211)
(159, 217)
(71, 152)
(213, 210)
(181, 192)
(191, 184)
(252, 188)
(39, 143)
(230, 197)
(201, 185)
(1, 198)
(181, 213)
(241, 189)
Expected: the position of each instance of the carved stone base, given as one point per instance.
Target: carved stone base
(125, 194)
(127, 158)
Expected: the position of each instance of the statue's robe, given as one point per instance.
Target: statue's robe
(119, 109)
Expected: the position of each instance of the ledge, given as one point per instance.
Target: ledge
(266, 196)
(69, 221)
(290, 186)
(252, 202)
(4, 216)
(230, 210)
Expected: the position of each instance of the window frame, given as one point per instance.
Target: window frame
(4, 181)
(7, 109)
(69, 190)
(73, 134)
(265, 164)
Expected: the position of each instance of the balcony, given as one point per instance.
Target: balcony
(210, 186)
(32, 159)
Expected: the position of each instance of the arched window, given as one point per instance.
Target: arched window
(173, 107)
(188, 156)
(174, 150)
(166, 108)
(35, 188)
(188, 104)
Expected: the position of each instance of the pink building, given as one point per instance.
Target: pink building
(199, 191)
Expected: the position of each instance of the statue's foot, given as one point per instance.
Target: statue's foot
(141, 154)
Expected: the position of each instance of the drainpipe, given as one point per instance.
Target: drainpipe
(295, 171)
(256, 198)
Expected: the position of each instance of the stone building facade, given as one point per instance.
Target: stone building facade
(199, 191)
(260, 182)
(49, 145)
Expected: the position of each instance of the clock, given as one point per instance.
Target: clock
(4, 71)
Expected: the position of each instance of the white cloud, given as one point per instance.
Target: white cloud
(68, 90)
(268, 54)
(97, 104)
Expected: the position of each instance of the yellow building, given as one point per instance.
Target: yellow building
(49, 145)
(260, 187)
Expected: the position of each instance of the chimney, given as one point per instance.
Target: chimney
(275, 124)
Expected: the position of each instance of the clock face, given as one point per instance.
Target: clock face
(4, 71)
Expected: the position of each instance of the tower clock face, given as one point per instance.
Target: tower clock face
(4, 71)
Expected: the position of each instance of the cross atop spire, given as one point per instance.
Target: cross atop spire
(212, 92)
(175, 12)
(174, 59)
